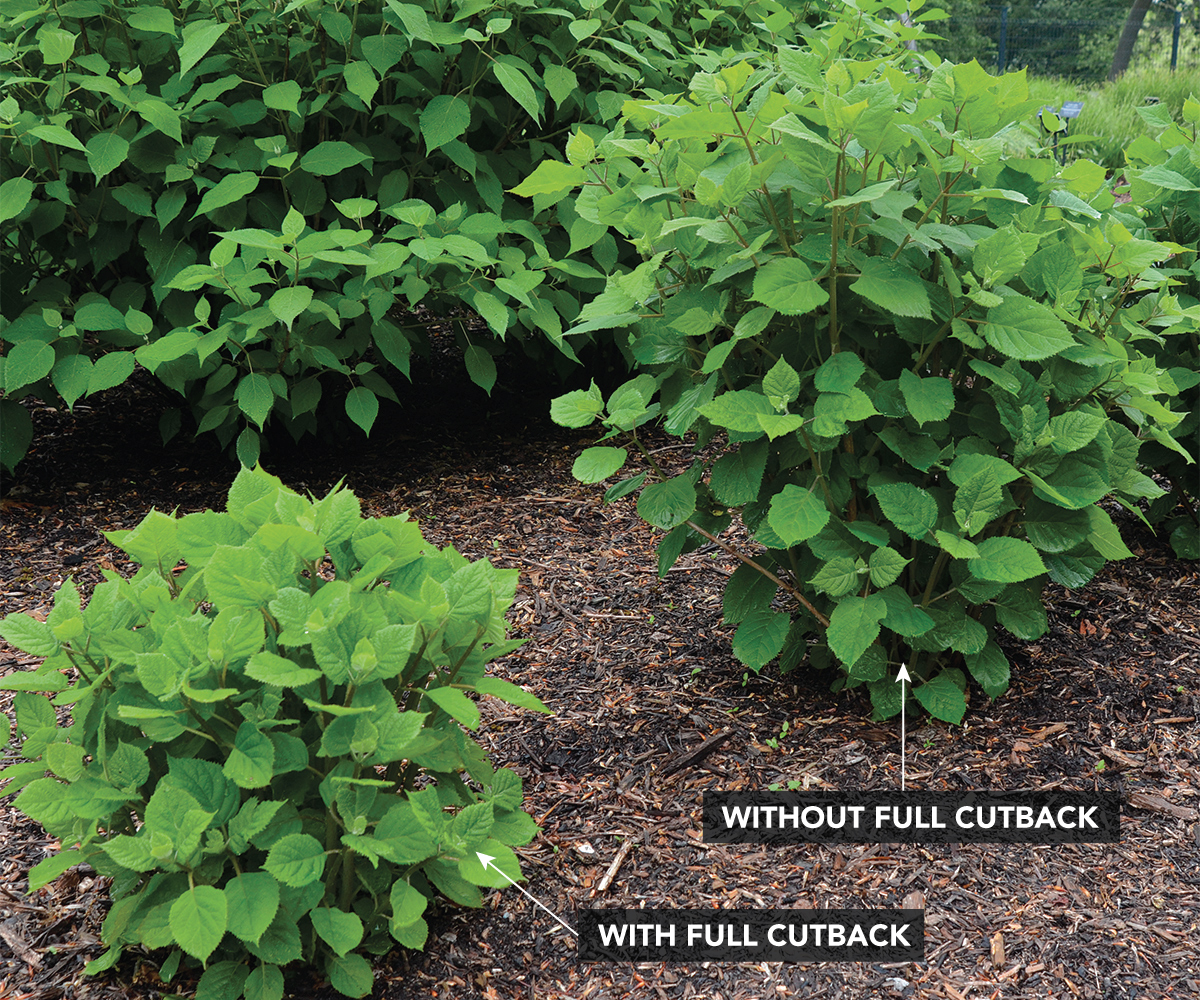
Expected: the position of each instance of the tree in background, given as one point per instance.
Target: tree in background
(1129, 35)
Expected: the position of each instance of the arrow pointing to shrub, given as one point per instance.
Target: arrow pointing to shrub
(486, 860)
(901, 679)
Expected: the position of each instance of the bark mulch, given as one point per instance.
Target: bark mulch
(639, 674)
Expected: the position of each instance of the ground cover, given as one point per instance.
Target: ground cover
(1108, 699)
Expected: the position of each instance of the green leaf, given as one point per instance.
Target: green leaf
(288, 303)
(14, 196)
(839, 373)
(990, 668)
(760, 637)
(550, 177)
(253, 901)
(509, 692)
(328, 158)
(1026, 330)
(198, 919)
(854, 626)
(198, 38)
(578, 408)
(885, 566)
(56, 46)
(737, 477)
(1021, 611)
(927, 399)
(518, 87)
(251, 760)
(785, 284)
(111, 370)
(361, 81)
(738, 410)
(978, 501)
(264, 983)
(342, 931)
(561, 83)
(230, 188)
(444, 118)
(837, 576)
(456, 704)
(894, 288)
(105, 152)
(796, 514)
(296, 860)
(284, 96)
(362, 406)
(29, 635)
(407, 903)
(350, 975)
(908, 507)
(1074, 430)
(222, 981)
(481, 366)
(156, 19)
(1006, 560)
(781, 385)
(255, 397)
(943, 698)
(55, 134)
(668, 504)
(275, 670)
(28, 362)
(999, 257)
(594, 465)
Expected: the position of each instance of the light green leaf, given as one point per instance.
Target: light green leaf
(444, 118)
(283, 96)
(330, 158)
(1026, 330)
(509, 692)
(57, 135)
(253, 900)
(198, 919)
(251, 760)
(668, 504)
(561, 82)
(1006, 560)
(796, 514)
(288, 303)
(550, 177)
(885, 566)
(456, 704)
(594, 465)
(908, 507)
(785, 284)
(840, 372)
(105, 152)
(14, 196)
(296, 860)
(28, 362)
(342, 931)
(781, 385)
(111, 370)
(255, 397)
(978, 501)
(927, 399)
(738, 410)
(760, 637)
(231, 188)
(854, 626)
(361, 81)
(155, 19)
(56, 46)
(894, 288)
(198, 38)
(578, 408)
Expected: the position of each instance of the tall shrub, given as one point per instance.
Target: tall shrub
(914, 356)
(250, 200)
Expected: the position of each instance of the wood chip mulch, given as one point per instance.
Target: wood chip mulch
(650, 710)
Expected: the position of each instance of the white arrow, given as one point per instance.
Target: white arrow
(486, 860)
(901, 678)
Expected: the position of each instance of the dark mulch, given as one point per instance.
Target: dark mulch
(638, 671)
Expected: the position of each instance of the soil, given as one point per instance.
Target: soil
(639, 673)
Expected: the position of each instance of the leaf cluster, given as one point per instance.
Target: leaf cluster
(268, 749)
(925, 363)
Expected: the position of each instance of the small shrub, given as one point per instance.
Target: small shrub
(266, 752)
(915, 354)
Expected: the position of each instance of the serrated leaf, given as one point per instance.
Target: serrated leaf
(785, 284)
(27, 362)
(253, 901)
(594, 465)
(105, 152)
(1006, 560)
(796, 514)
(908, 507)
(263, 983)
(991, 669)
(854, 625)
(1026, 330)
(456, 704)
(668, 504)
(198, 920)
(894, 288)
(978, 501)
(296, 860)
(251, 760)
(342, 931)
(885, 566)
(943, 698)
(760, 637)
(927, 399)
(444, 118)
(14, 196)
(351, 975)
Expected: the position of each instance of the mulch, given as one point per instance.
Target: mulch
(639, 673)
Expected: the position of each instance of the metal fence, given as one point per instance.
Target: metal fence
(1076, 49)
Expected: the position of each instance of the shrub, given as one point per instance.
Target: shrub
(911, 352)
(265, 753)
(249, 202)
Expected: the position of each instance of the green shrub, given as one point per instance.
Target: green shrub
(266, 752)
(1164, 180)
(913, 353)
(249, 201)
